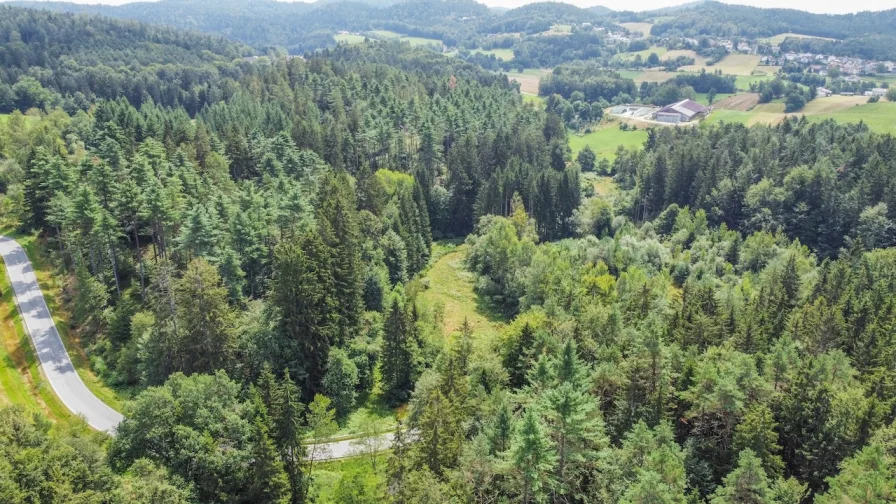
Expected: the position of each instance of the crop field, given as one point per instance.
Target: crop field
(638, 27)
(653, 76)
(742, 102)
(529, 79)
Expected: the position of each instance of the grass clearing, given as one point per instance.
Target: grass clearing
(349, 38)
(780, 38)
(654, 76)
(504, 54)
(734, 64)
(659, 50)
(880, 117)
(644, 28)
(606, 140)
(671, 55)
(603, 186)
(536, 100)
(743, 81)
(742, 102)
(447, 290)
(391, 35)
(703, 98)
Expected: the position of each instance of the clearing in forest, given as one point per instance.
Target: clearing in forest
(780, 38)
(447, 289)
(529, 79)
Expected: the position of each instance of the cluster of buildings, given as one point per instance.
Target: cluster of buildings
(822, 64)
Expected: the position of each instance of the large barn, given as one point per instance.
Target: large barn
(683, 111)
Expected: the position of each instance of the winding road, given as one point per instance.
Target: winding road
(54, 359)
(66, 383)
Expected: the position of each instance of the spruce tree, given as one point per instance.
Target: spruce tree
(532, 459)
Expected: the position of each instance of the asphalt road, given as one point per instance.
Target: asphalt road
(68, 385)
(54, 359)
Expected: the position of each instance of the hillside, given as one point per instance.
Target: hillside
(62, 59)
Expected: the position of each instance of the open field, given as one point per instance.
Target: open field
(536, 100)
(349, 38)
(603, 186)
(504, 54)
(529, 79)
(653, 76)
(644, 28)
(559, 29)
(659, 50)
(743, 81)
(735, 64)
(698, 60)
(414, 41)
(703, 98)
(779, 39)
(448, 287)
(606, 140)
(880, 117)
(741, 102)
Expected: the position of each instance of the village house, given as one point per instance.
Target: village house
(824, 92)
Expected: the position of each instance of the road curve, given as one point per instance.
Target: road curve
(53, 357)
(69, 387)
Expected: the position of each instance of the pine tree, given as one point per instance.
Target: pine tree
(204, 317)
(287, 416)
(338, 227)
(400, 352)
(532, 459)
(747, 483)
(756, 432)
(304, 294)
(268, 484)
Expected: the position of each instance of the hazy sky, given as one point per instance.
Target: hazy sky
(823, 6)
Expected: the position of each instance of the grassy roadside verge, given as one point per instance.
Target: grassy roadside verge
(51, 286)
(21, 382)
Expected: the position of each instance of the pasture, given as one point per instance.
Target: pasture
(606, 140)
(734, 64)
(779, 39)
(644, 28)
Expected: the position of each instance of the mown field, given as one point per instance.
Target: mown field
(659, 50)
(349, 38)
(734, 64)
(606, 140)
(638, 27)
(880, 117)
(779, 39)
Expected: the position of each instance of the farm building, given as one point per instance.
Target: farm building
(683, 111)
(824, 92)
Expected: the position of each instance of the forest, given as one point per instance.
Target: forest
(243, 245)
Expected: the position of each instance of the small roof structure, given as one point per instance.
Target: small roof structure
(688, 109)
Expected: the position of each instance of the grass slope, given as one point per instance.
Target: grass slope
(606, 140)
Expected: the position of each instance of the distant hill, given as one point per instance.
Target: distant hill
(295, 25)
(540, 16)
(82, 58)
(600, 10)
(716, 18)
